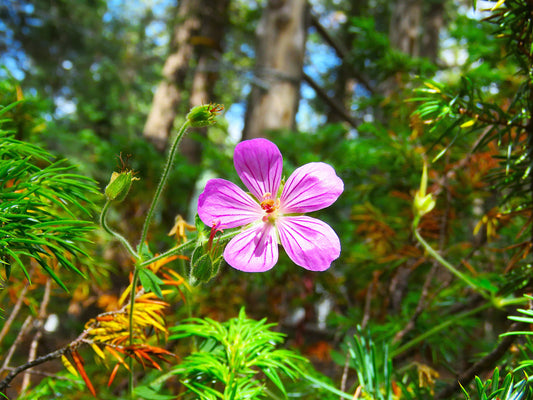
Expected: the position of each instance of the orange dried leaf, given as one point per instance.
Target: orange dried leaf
(79, 366)
(113, 374)
(117, 356)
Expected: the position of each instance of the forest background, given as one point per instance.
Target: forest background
(422, 107)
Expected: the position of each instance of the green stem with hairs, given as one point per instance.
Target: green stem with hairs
(449, 266)
(162, 182)
(117, 236)
(183, 247)
(143, 263)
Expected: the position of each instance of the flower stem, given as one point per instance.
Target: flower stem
(183, 247)
(162, 182)
(117, 236)
(144, 234)
(449, 266)
(134, 280)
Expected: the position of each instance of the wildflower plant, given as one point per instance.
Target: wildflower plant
(236, 359)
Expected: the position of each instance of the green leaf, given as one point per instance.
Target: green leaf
(151, 282)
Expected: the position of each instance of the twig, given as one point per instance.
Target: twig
(345, 372)
(40, 360)
(4, 384)
(38, 335)
(341, 50)
(419, 307)
(485, 364)
(338, 108)
(14, 313)
(18, 339)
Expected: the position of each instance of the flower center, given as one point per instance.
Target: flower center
(269, 204)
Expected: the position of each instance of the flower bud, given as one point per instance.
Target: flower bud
(204, 115)
(119, 185)
(203, 266)
(423, 203)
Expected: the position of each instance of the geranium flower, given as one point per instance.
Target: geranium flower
(272, 213)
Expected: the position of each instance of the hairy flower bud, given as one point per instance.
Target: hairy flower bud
(204, 115)
(119, 185)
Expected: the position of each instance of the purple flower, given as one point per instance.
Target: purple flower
(272, 213)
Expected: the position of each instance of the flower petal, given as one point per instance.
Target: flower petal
(259, 164)
(311, 187)
(224, 203)
(254, 250)
(309, 242)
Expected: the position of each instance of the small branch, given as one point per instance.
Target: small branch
(4, 384)
(38, 335)
(420, 307)
(11, 351)
(14, 313)
(485, 364)
(339, 109)
(342, 52)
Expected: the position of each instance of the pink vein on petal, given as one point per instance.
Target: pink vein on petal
(311, 187)
(254, 250)
(309, 242)
(259, 163)
(225, 203)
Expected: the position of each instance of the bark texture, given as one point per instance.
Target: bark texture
(208, 48)
(280, 49)
(167, 95)
(197, 43)
(405, 26)
(433, 23)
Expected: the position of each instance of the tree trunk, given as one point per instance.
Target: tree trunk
(345, 75)
(280, 50)
(197, 37)
(168, 93)
(405, 26)
(432, 24)
(207, 53)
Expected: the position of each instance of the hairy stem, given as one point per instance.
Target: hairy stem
(144, 235)
(449, 266)
(162, 182)
(118, 236)
(132, 308)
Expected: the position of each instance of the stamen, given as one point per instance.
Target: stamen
(269, 204)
